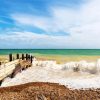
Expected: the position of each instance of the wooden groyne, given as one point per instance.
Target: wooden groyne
(7, 69)
(15, 66)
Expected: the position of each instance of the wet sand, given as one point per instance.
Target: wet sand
(64, 58)
(59, 58)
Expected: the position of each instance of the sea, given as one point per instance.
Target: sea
(87, 52)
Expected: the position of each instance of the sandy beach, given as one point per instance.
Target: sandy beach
(76, 76)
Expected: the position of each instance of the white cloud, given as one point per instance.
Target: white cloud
(82, 24)
(30, 40)
(63, 18)
(40, 22)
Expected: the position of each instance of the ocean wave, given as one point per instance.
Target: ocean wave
(80, 74)
(81, 66)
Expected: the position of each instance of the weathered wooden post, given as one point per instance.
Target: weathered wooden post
(26, 56)
(22, 56)
(31, 59)
(0, 63)
(10, 57)
(17, 56)
(1, 82)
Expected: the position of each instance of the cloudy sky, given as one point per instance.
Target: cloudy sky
(50, 24)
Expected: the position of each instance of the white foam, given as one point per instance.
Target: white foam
(49, 71)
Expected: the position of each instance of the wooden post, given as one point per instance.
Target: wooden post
(1, 82)
(10, 57)
(26, 56)
(22, 56)
(31, 59)
(17, 56)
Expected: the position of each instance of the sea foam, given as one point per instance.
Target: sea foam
(78, 75)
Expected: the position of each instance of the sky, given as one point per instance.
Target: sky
(50, 24)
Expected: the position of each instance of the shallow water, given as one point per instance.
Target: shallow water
(88, 52)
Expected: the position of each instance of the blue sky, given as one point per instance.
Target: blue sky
(49, 24)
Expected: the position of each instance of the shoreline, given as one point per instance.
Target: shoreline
(59, 58)
(47, 75)
(70, 74)
(58, 67)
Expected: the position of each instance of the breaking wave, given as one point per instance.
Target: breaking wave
(80, 74)
(81, 66)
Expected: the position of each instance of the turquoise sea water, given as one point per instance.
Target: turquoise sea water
(87, 52)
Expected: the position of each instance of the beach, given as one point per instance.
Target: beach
(78, 74)
(49, 50)
(75, 75)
